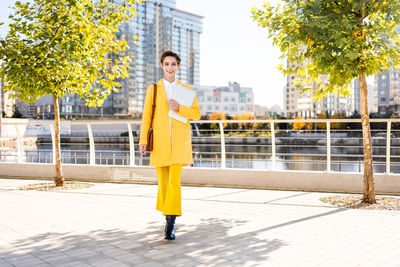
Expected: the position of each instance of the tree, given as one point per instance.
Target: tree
(246, 115)
(309, 125)
(264, 126)
(333, 42)
(337, 125)
(299, 125)
(321, 125)
(17, 113)
(62, 47)
(217, 115)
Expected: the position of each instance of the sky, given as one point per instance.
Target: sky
(232, 47)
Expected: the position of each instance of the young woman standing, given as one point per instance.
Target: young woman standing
(172, 146)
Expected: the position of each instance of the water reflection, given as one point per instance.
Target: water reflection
(246, 156)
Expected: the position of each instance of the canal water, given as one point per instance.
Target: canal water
(305, 153)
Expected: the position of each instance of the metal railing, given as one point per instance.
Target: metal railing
(322, 144)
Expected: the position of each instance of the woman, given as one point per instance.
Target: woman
(172, 146)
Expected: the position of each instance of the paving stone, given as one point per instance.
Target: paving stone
(74, 264)
(22, 260)
(117, 225)
(5, 264)
(80, 253)
(149, 264)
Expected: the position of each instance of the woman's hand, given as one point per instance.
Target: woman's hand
(172, 104)
(142, 149)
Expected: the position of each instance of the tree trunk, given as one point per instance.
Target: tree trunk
(369, 185)
(59, 179)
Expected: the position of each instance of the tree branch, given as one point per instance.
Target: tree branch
(340, 6)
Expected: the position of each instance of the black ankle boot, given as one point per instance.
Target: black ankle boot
(169, 227)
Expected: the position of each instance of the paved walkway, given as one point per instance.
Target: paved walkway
(117, 225)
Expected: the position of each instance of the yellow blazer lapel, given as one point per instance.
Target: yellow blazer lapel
(161, 90)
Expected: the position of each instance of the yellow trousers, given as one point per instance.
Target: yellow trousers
(169, 190)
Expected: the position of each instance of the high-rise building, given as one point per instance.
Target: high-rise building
(160, 26)
(388, 91)
(372, 97)
(297, 103)
(7, 103)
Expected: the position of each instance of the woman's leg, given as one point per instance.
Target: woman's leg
(172, 204)
(163, 180)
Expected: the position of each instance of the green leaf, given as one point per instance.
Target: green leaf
(62, 47)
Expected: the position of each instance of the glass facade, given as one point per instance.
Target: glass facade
(372, 97)
(160, 27)
(388, 84)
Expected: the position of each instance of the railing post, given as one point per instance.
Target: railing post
(131, 146)
(328, 146)
(273, 145)
(53, 143)
(388, 134)
(92, 154)
(223, 155)
(19, 145)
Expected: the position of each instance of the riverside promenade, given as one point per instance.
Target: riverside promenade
(117, 225)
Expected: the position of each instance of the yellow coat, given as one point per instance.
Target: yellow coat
(174, 148)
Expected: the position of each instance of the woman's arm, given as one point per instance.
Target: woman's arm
(146, 115)
(193, 112)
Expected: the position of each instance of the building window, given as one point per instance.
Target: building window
(242, 100)
(383, 92)
(226, 99)
(233, 99)
(209, 98)
(216, 99)
(209, 107)
(249, 99)
(225, 108)
(383, 99)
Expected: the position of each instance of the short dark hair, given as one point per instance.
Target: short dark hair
(170, 54)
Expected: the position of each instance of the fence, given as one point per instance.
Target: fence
(321, 145)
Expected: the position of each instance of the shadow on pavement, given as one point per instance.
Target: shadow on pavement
(211, 242)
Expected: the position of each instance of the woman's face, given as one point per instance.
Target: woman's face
(170, 67)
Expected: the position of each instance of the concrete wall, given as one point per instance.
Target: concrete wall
(263, 179)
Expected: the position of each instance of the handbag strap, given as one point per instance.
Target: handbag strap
(153, 107)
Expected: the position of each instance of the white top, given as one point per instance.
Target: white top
(170, 88)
